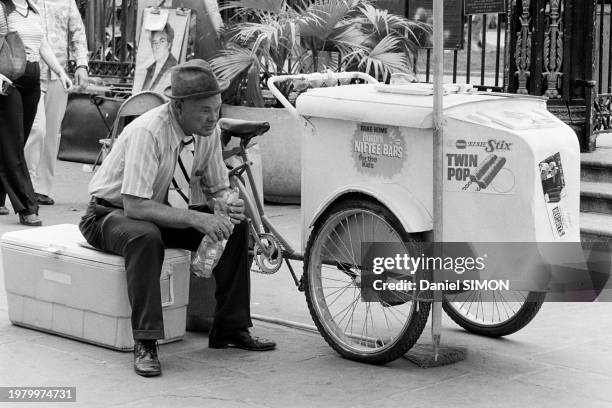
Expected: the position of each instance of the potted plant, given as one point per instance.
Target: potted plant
(279, 37)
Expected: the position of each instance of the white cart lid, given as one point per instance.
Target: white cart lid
(369, 103)
(65, 239)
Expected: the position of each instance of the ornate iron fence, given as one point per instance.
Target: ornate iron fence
(110, 27)
(603, 100)
(482, 57)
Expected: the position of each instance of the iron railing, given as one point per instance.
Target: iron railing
(481, 61)
(111, 33)
(603, 100)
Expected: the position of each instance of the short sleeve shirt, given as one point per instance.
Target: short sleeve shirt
(144, 157)
(29, 28)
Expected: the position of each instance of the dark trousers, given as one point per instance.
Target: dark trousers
(17, 112)
(142, 245)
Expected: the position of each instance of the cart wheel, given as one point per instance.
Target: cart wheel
(368, 332)
(493, 313)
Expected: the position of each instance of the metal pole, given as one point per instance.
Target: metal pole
(438, 121)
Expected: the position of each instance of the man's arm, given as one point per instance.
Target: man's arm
(78, 44)
(216, 227)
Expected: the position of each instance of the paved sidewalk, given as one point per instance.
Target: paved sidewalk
(562, 359)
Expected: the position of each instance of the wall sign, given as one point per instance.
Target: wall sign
(393, 6)
(485, 6)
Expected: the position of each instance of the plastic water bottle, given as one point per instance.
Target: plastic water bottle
(204, 260)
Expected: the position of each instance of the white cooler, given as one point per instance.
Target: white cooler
(55, 285)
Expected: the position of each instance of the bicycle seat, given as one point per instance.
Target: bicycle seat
(243, 129)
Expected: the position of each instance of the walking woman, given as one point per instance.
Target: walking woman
(18, 108)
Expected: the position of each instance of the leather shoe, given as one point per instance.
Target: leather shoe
(4, 210)
(241, 339)
(146, 362)
(30, 220)
(44, 199)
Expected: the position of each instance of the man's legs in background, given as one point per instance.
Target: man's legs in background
(42, 145)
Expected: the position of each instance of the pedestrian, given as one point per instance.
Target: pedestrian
(128, 214)
(18, 107)
(66, 36)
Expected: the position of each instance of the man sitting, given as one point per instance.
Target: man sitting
(128, 214)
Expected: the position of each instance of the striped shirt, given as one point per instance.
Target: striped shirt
(142, 160)
(29, 28)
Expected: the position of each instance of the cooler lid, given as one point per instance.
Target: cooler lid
(64, 239)
(377, 103)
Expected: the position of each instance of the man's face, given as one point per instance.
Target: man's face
(199, 116)
(160, 46)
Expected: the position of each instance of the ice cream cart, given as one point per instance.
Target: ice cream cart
(510, 173)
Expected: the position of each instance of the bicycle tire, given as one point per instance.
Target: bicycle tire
(519, 319)
(337, 337)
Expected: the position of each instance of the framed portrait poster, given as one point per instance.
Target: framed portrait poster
(162, 45)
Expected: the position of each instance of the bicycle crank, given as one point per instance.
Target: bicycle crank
(268, 254)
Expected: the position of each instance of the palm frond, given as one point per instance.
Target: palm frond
(382, 60)
(322, 18)
(229, 64)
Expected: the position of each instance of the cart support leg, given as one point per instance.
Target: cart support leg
(436, 322)
(435, 355)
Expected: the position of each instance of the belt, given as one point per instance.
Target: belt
(103, 202)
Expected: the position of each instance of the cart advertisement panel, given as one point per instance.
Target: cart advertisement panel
(480, 165)
(554, 192)
(378, 150)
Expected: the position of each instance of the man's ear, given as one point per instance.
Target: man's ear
(178, 105)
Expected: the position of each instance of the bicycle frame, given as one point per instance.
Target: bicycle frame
(258, 222)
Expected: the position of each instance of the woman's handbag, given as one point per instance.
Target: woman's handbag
(12, 51)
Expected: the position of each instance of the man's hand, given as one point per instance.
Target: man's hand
(81, 78)
(235, 210)
(65, 80)
(5, 84)
(215, 227)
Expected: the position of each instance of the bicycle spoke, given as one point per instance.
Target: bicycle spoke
(354, 300)
(384, 311)
(504, 306)
(350, 239)
(350, 320)
(346, 250)
(349, 252)
(337, 297)
(365, 322)
(349, 311)
(335, 280)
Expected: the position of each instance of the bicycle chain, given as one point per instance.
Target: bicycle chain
(268, 266)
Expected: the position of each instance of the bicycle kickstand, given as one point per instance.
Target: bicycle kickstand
(298, 283)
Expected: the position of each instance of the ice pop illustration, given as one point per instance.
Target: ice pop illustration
(486, 172)
(486, 179)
